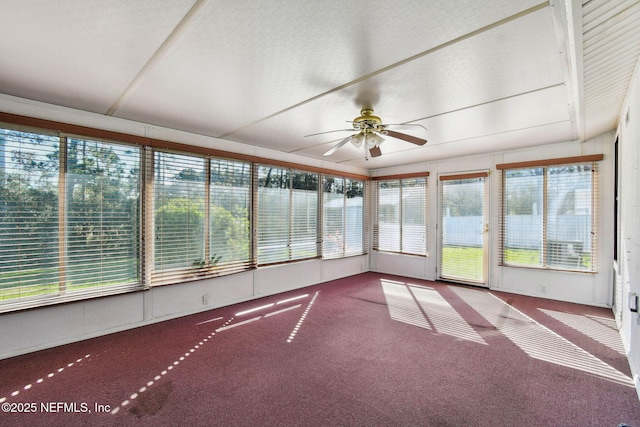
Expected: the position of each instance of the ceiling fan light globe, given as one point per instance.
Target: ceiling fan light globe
(374, 140)
(357, 140)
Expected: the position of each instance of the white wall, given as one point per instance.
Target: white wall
(628, 264)
(41, 328)
(585, 288)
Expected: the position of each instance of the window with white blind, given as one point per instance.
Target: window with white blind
(68, 219)
(102, 220)
(83, 217)
(287, 215)
(179, 216)
(548, 214)
(401, 215)
(201, 222)
(229, 220)
(343, 217)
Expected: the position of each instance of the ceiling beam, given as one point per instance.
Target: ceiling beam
(171, 39)
(567, 20)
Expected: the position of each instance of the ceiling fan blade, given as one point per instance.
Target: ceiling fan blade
(337, 146)
(408, 138)
(404, 124)
(331, 131)
(375, 152)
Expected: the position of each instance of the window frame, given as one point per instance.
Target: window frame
(562, 247)
(64, 290)
(400, 179)
(293, 232)
(145, 181)
(341, 240)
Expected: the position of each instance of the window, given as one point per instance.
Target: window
(549, 214)
(102, 219)
(179, 216)
(229, 223)
(343, 217)
(83, 217)
(287, 223)
(201, 220)
(29, 216)
(68, 219)
(401, 215)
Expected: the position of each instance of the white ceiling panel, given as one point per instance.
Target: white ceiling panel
(81, 53)
(276, 55)
(468, 127)
(489, 68)
(611, 39)
(476, 146)
(479, 74)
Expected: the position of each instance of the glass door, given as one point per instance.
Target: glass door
(463, 228)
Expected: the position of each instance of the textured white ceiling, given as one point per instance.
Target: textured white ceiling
(480, 75)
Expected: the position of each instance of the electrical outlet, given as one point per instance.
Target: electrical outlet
(205, 299)
(543, 289)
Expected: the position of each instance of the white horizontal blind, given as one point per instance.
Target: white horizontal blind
(29, 215)
(522, 228)
(70, 232)
(102, 220)
(401, 215)
(414, 216)
(549, 216)
(287, 223)
(387, 229)
(274, 195)
(74, 225)
(305, 230)
(229, 216)
(179, 217)
(343, 217)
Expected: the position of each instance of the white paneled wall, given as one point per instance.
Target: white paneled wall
(33, 330)
(629, 228)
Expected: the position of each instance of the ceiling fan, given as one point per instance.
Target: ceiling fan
(369, 129)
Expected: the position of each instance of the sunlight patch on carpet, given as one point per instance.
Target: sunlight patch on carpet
(536, 340)
(426, 308)
(401, 304)
(591, 326)
(296, 328)
(43, 379)
(444, 318)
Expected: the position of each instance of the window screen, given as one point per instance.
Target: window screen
(102, 203)
(77, 222)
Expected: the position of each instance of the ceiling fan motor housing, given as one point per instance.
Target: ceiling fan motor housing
(367, 122)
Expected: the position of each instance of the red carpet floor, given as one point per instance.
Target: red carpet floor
(370, 350)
